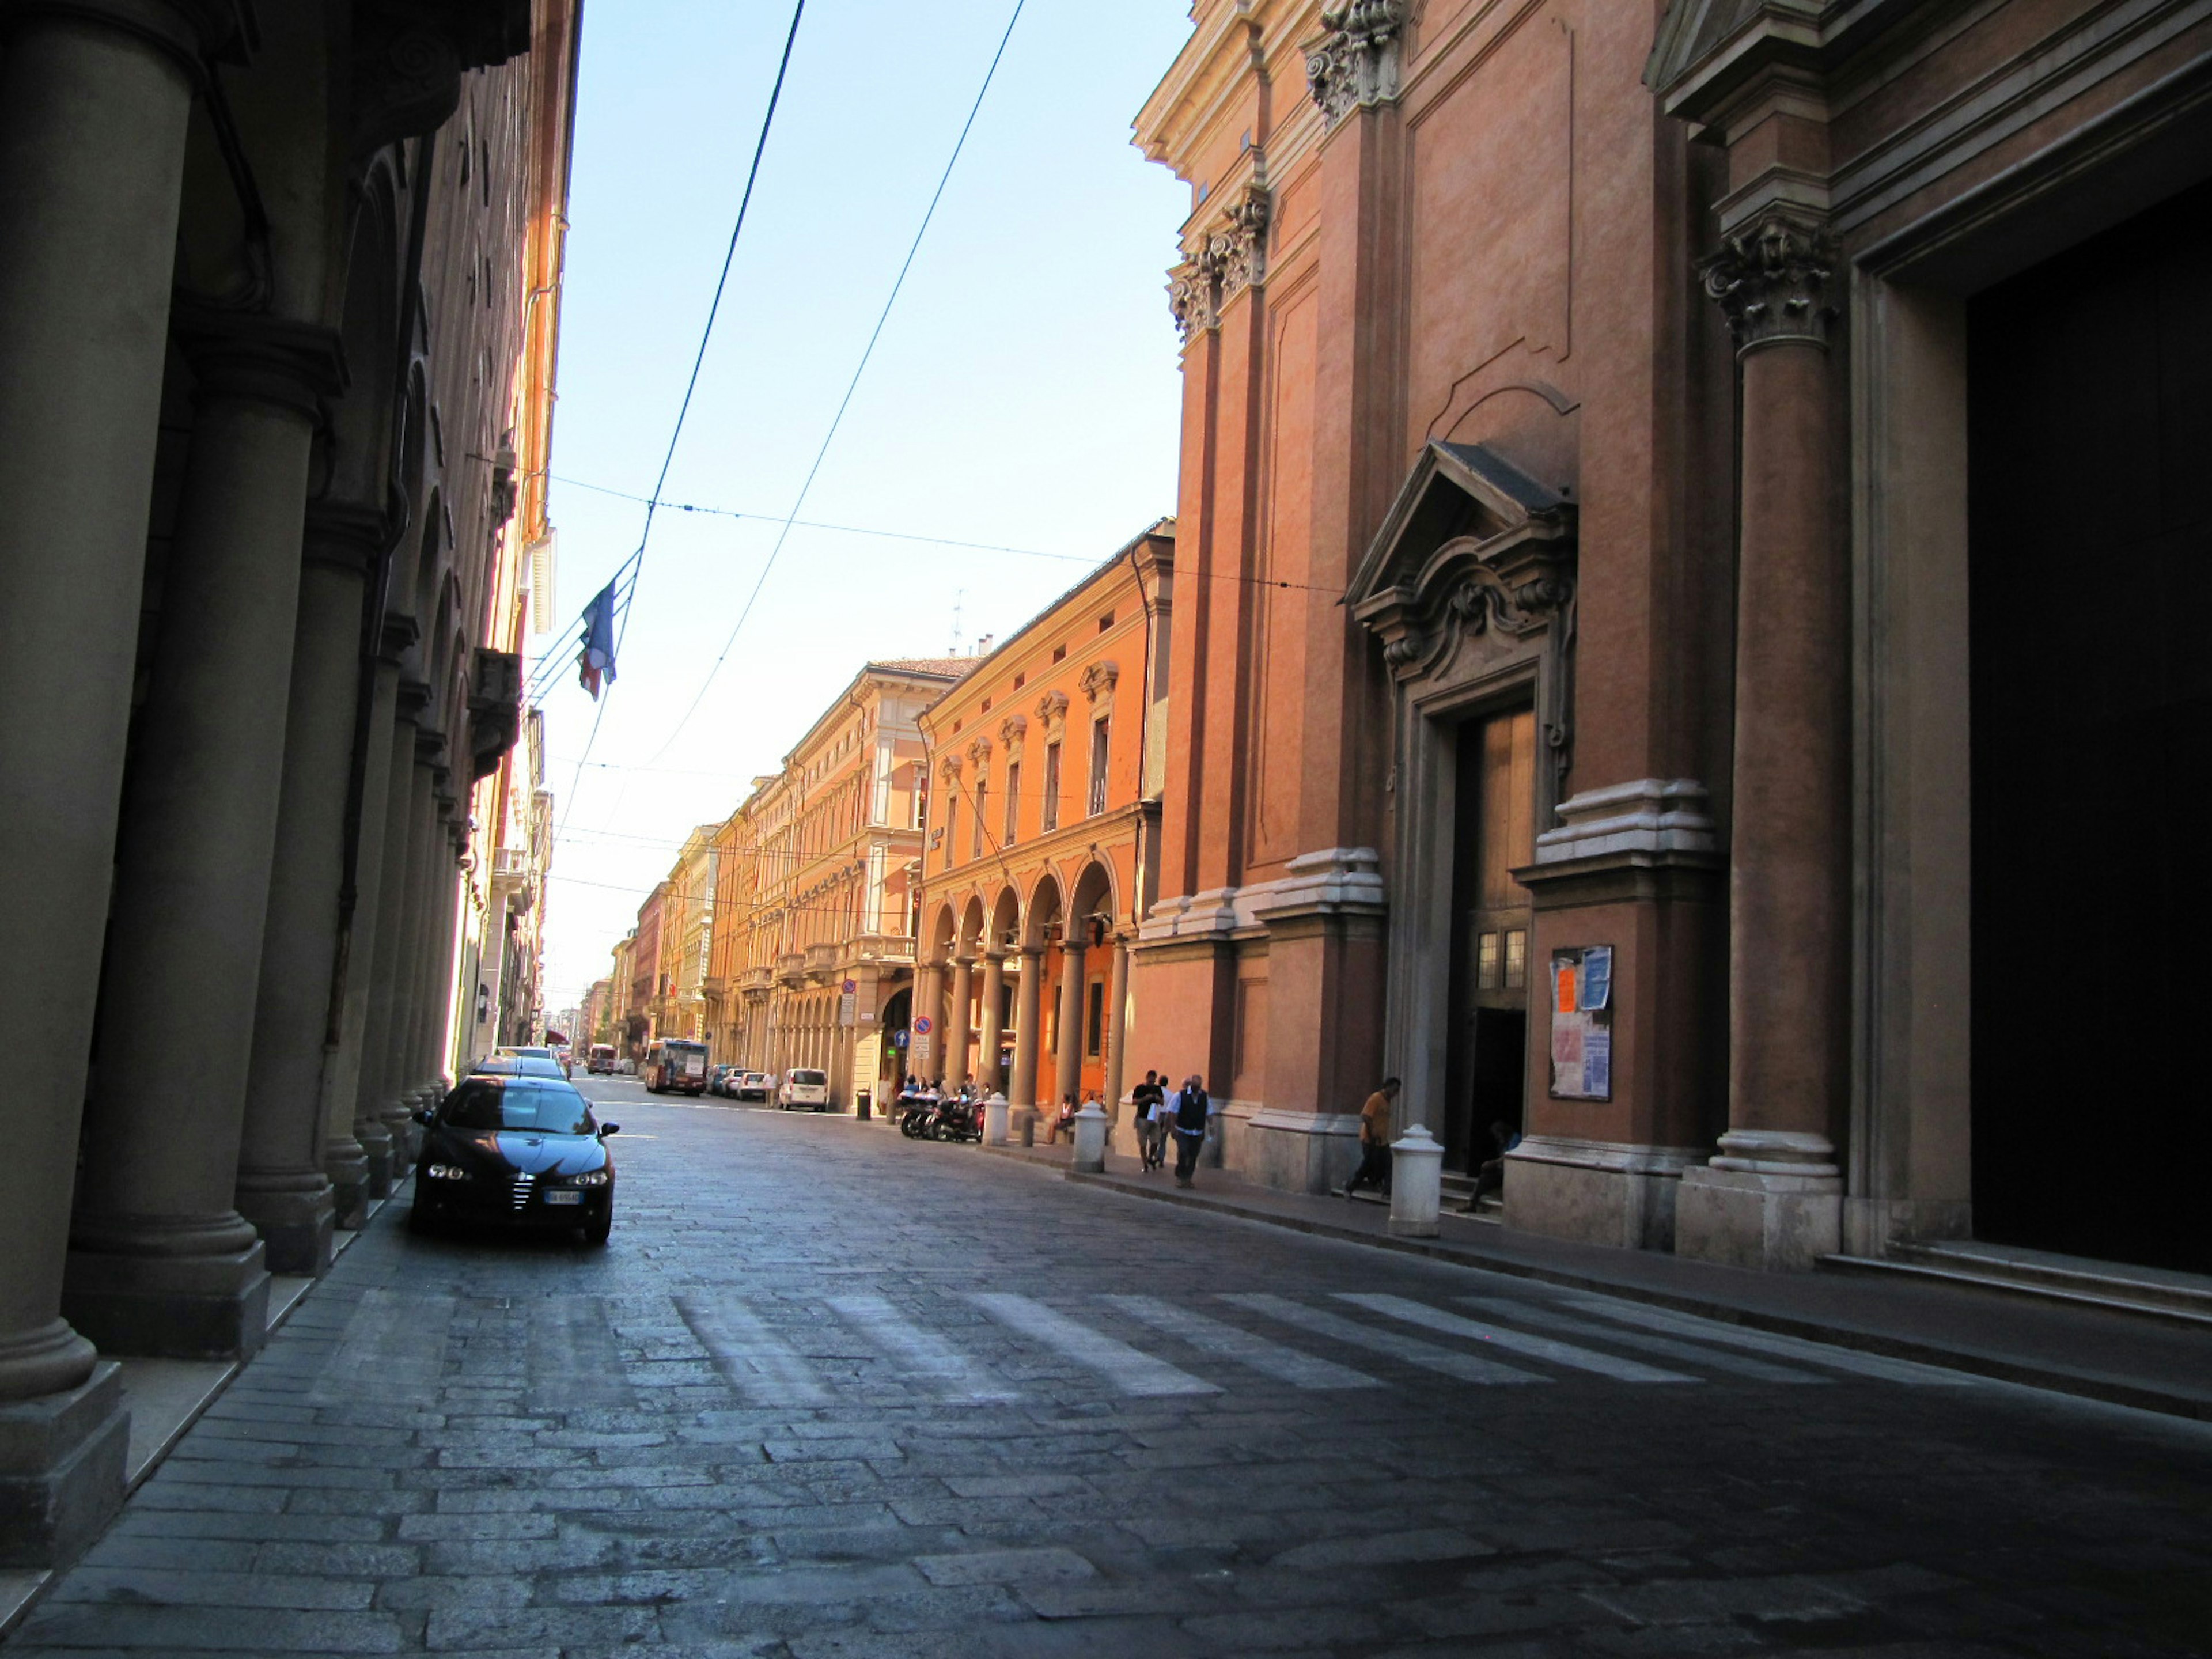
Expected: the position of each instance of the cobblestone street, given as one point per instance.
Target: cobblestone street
(832, 1393)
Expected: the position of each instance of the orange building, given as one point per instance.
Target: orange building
(1042, 849)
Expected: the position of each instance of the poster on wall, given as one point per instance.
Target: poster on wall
(1582, 1022)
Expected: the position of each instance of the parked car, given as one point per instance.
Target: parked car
(803, 1086)
(554, 1055)
(507, 1062)
(751, 1085)
(518, 1152)
(719, 1079)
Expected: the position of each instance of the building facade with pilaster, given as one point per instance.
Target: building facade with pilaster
(1046, 763)
(266, 344)
(813, 952)
(1606, 430)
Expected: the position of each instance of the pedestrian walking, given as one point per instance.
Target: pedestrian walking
(1147, 1100)
(1189, 1126)
(1375, 1140)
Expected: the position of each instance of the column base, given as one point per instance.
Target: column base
(1774, 1222)
(62, 1462)
(1596, 1192)
(376, 1152)
(175, 1307)
(296, 1224)
(346, 1168)
(1297, 1151)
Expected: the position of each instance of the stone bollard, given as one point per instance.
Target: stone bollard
(1024, 1124)
(994, 1121)
(1091, 1138)
(1417, 1163)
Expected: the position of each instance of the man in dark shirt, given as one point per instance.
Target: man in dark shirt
(1145, 1100)
(1190, 1106)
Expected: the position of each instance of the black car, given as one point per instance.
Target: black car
(515, 1151)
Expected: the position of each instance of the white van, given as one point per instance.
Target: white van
(803, 1087)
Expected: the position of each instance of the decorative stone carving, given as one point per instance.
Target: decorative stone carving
(980, 752)
(409, 55)
(948, 765)
(1240, 248)
(1195, 295)
(1098, 681)
(1772, 279)
(1052, 712)
(1012, 729)
(1355, 65)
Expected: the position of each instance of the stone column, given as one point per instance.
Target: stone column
(378, 1064)
(959, 1021)
(1772, 1197)
(1068, 1058)
(425, 851)
(283, 1185)
(161, 1260)
(93, 102)
(928, 1003)
(1028, 1015)
(988, 1071)
(1117, 1027)
(356, 1170)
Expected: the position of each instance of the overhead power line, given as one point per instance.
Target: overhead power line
(634, 565)
(853, 385)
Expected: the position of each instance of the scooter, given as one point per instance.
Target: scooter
(956, 1119)
(915, 1115)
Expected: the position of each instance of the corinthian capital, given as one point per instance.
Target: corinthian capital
(1194, 294)
(1355, 64)
(1240, 247)
(1772, 278)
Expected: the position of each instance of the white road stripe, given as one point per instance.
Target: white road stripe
(1531, 1313)
(1225, 1341)
(923, 1353)
(1131, 1370)
(1789, 1347)
(1452, 1363)
(753, 1358)
(1536, 1347)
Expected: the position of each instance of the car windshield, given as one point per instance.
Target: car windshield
(518, 1066)
(482, 1102)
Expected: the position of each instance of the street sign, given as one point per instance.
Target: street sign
(923, 1025)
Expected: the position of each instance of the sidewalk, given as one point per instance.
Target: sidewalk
(2095, 1355)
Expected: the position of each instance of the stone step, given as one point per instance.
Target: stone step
(2150, 1293)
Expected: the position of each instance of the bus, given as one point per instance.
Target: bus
(602, 1059)
(675, 1065)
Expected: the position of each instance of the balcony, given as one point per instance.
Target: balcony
(791, 967)
(822, 960)
(890, 949)
(759, 980)
(510, 861)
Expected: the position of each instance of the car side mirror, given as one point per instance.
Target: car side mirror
(423, 1117)
(606, 1130)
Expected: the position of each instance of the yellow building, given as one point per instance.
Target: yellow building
(812, 958)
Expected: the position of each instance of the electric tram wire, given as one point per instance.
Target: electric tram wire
(838, 419)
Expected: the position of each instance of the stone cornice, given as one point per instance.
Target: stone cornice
(245, 355)
(1773, 278)
(1231, 256)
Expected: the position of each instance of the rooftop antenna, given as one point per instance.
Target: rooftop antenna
(959, 601)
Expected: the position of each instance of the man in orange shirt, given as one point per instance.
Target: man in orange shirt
(1375, 1140)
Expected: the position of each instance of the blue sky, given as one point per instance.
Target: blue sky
(1023, 395)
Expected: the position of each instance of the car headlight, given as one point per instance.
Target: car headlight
(447, 1172)
(590, 1178)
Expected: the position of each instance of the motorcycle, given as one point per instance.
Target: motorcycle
(915, 1115)
(956, 1119)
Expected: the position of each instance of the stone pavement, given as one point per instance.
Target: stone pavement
(833, 1392)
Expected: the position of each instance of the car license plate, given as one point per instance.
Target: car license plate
(565, 1197)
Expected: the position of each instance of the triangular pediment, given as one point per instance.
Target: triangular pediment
(1460, 499)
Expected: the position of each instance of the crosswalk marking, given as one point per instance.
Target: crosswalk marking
(1530, 1313)
(1452, 1363)
(571, 1355)
(1789, 1347)
(1225, 1341)
(392, 1349)
(1131, 1370)
(746, 1351)
(1536, 1347)
(924, 1354)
